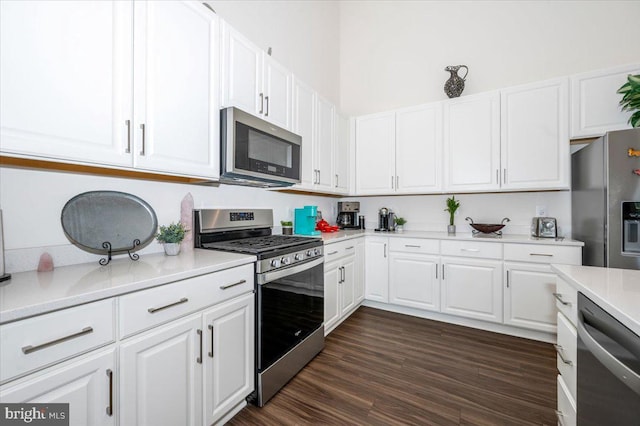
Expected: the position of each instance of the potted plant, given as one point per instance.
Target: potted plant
(171, 236)
(287, 227)
(631, 98)
(399, 221)
(452, 206)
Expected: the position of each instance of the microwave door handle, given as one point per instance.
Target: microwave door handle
(268, 277)
(617, 368)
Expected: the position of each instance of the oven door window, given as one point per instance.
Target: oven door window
(289, 310)
(260, 152)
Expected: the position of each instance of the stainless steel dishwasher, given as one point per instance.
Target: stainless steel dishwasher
(608, 369)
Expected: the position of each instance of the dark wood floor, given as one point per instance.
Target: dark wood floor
(381, 368)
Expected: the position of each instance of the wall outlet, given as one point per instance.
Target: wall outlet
(541, 211)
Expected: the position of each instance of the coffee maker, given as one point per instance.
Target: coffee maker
(386, 220)
(348, 214)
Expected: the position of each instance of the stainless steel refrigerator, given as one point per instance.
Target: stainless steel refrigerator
(605, 200)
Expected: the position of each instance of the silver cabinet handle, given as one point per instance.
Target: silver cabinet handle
(443, 271)
(179, 302)
(392, 181)
(385, 250)
(261, 103)
(30, 349)
(332, 253)
(211, 329)
(199, 359)
(541, 254)
(560, 352)
(110, 407)
(436, 271)
(350, 248)
(224, 287)
(336, 180)
(497, 176)
(320, 176)
(411, 246)
(507, 279)
(397, 182)
(560, 416)
(142, 127)
(266, 100)
(504, 175)
(558, 297)
(128, 124)
(209, 7)
(470, 250)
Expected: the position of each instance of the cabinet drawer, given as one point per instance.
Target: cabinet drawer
(414, 245)
(539, 253)
(147, 308)
(567, 352)
(40, 341)
(471, 249)
(567, 300)
(338, 250)
(566, 405)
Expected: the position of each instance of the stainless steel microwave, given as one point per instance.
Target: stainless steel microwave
(255, 152)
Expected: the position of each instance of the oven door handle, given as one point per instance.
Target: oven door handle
(267, 277)
(617, 368)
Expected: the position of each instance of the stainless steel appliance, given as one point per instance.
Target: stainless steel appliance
(348, 214)
(289, 290)
(257, 153)
(605, 177)
(386, 220)
(544, 227)
(608, 368)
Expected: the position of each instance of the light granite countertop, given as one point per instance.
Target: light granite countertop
(33, 293)
(617, 291)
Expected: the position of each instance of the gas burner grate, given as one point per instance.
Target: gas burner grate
(258, 244)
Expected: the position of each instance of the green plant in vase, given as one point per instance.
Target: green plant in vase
(287, 227)
(630, 92)
(171, 236)
(399, 221)
(452, 206)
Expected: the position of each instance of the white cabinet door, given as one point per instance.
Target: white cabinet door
(85, 384)
(176, 112)
(358, 287)
(304, 107)
(534, 136)
(241, 72)
(276, 86)
(472, 143)
(65, 79)
(347, 300)
(419, 149)
(229, 356)
(528, 296)
(375, 154)
(414, 281)
(331, 294)
(472, 288)
(341, 156)
(325, 114)
(377, 271)
(161, 375)
(595, 107)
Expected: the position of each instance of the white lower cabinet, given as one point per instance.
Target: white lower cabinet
(86, 384)
(360, 266)
(414, 280)
(161, 375)
(472, 288)
(567, 412)
(343, 289)
(377, 269)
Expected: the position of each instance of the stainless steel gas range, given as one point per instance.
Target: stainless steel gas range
(289, 290)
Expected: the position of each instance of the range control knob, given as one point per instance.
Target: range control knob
(316, 252)
(309, 253)
(275, 263)
(285, 260)
(298, 256)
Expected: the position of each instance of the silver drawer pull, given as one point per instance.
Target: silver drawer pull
(224, 287)
(411, 246)
(471, 250)
(560, 416)
(350, 248)
(558, 297)
(332, 253)
(29, 349)
(541, 254)
(560, 352)
(179, 302)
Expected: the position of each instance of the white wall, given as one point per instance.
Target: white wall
(304, 36)
(393, 53)
(426, 212)
(31, 203)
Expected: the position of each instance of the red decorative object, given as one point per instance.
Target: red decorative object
(323, 226)
(636, 172)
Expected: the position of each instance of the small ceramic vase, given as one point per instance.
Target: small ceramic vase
(171, 249)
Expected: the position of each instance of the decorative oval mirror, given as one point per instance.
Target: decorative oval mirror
(107, 222)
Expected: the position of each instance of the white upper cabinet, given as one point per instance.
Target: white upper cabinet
(418, 149)
(375, 154)
(341, 156)
(253, 81)
(534, 136)
(325, 132)
(472, 143)
(176, 114)
(66, 80)
(595, 107)
(304, 107)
